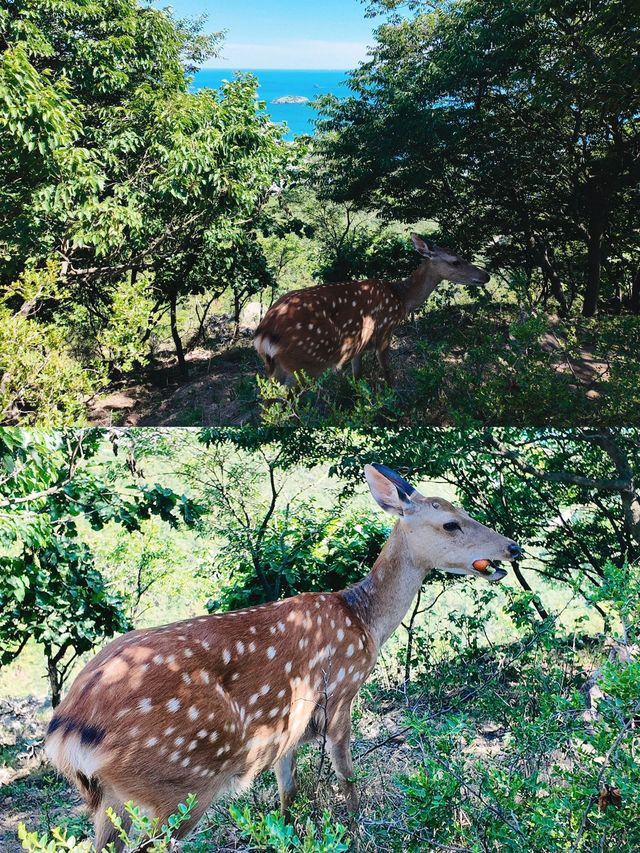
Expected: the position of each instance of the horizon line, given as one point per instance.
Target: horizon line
(255, 68)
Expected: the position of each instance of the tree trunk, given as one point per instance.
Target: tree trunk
(635, 293)
(594, 263)
(55, 681)
(545, 259)
(173, 305)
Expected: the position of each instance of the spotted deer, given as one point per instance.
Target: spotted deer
(204, 705)
(327, 326)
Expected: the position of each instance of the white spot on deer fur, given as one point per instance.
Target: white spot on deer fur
(181, 637)
(254, 698)
(179, 741)
(151, 741)
(252, 646)
(281, 693)
(174, 756)
(350, 650)
(213, 737)
(122, 713)
(271, 652)
(282, 627)
(186, 761)
(340, 634)
(169, 730)
(193, 713)
(252, 629)
(341, 674)
(310, 325)
(158, 659)
(173, 705)
(145, 705)
(287, 667)
(274, 712)
(186, 678)
(272, 629)
(265, 689)
(204, 675)
(226, 656)
(192, 745)
(205, 645)
(219, 751)
(347, 622)
(240, 647)
(187, 653)
(202, 733)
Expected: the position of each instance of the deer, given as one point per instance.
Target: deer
(324, 327)
(204, 705)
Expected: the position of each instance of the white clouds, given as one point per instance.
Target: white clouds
(294, 54)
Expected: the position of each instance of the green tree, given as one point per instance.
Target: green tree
(129, 171)
(50, 589)
(513, 125)
(570, 497)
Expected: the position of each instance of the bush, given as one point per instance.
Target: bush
(42, 381)
(272, 832)
(143, 829)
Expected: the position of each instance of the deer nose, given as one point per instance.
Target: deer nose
(515, 551)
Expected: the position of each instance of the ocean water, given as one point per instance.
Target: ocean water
(280, 83)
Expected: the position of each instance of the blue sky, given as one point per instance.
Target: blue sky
(285, 33)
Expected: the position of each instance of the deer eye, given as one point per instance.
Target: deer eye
(450, 526)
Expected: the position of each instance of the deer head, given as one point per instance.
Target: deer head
(438, 534)
(445, 266)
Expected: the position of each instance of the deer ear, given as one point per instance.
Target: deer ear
(391, 496)
(422, 246)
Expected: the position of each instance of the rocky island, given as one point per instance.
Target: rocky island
(291, 99)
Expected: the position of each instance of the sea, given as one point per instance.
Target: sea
(275, 84)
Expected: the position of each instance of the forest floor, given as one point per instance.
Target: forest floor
(427, 351)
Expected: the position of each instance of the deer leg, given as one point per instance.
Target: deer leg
(356, 366)
(384, 362)
(339, 745)
(286, 776)
(105, 831)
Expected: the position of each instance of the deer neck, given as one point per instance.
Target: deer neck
(416, 289)
(382, 598)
